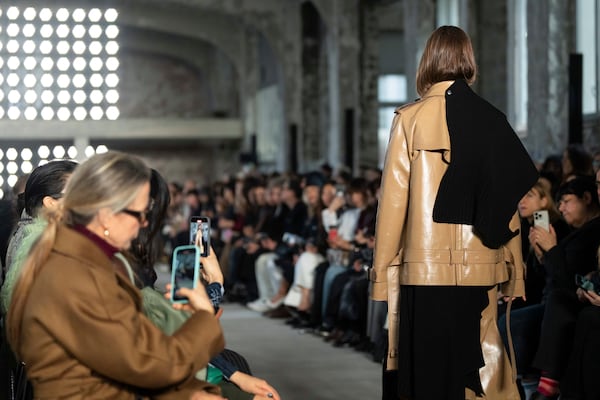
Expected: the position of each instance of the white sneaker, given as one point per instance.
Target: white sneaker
(273, 305)
(260, 305)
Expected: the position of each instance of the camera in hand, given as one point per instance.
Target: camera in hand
(291, 244)
(590, 284)
(291, 239)
(364, 255)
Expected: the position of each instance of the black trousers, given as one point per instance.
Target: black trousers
(558, 329)
(316, 316)
(581, 377)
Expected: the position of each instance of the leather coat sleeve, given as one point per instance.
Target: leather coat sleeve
(392, 211)
(515, 286)
(108, 333)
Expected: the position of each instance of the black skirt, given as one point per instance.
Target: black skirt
(439, 349)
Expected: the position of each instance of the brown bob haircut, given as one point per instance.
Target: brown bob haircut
(448, 56)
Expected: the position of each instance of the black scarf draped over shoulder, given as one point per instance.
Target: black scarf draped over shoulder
(489, 170)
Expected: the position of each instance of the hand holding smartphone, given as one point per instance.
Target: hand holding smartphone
(333, 233)
(587, 284)
(541, 219)
(200, 234)
(184, 271)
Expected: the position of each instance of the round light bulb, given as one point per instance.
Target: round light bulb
(110, 15)
(79, 96)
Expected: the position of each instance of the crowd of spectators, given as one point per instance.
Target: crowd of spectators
(299, 247)
(293, 246)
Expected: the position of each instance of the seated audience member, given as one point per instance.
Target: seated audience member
(177, 222)
(598, 182)
(288, 252)
(551, 169)
(526, 317)
(145, 250)
(8, 218)
(575, 254)
(298, 298)
(65, 346)
(581, 378)
(43, 192)
(355, 274)
(268, 275)
(351, 321)
(293, 217)
(342, 231)
(596, 160)
(576, 161)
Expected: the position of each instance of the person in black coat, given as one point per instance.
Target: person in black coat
(575, 254)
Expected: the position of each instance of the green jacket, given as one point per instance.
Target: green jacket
(21, 242)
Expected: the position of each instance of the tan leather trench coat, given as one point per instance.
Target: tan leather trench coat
(412, 249)
(85, 335)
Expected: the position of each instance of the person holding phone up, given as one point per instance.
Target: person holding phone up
(526, 316)
(85, 336)
(581, 379)
(235, 384)
(575, 254)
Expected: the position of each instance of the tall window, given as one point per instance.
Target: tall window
(392, 92)
(589, 46)
(58, 63)
(517, 65)
(448, 12)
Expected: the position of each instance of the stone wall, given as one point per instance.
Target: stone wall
(203, 162)
(249, 60)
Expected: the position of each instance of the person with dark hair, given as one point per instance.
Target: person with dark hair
(526, 316)
(336, 279)
(144, 252)
(43, 191)
(552, 170)
(576, 161)
(7, 216)
(581, 377)
(447, 233)
(326, 171)
(598, 183)
(74, 300)
(575, 254)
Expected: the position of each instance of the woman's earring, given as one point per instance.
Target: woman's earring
(106, 233)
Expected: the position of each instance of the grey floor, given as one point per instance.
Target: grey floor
(301, 366)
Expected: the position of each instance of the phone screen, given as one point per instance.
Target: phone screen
(184, 271)
(200, 226)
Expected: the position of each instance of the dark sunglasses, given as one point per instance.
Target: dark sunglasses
(141, 216)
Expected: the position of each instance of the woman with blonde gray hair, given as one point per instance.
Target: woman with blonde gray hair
(75, 318)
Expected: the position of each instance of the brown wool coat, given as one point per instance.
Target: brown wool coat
(85, 335)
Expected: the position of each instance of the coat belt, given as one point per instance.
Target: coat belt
(448, 256)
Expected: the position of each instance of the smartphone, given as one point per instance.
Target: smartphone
(541, 219)
(340, 190)
(185, 271)
(200, 226)
(586, 284)
(333, 233)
